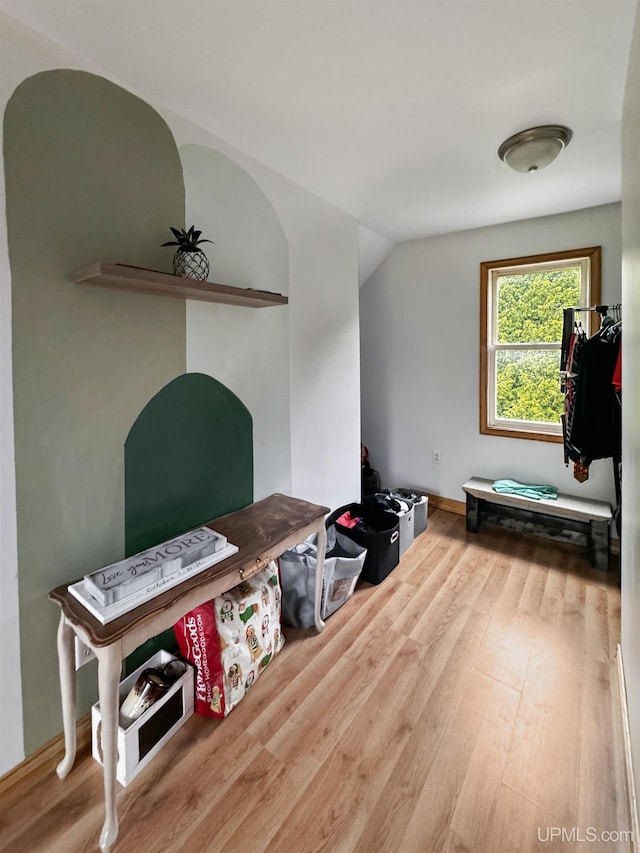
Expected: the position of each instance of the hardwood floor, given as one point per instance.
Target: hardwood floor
(468, 703)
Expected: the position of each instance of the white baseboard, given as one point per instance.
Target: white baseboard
(628, 757)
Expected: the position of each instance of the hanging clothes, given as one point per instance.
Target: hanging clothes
(568, 381)
(592, 422)
(568, 325)
(616, 380)
(591, 379)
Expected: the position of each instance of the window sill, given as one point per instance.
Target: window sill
(531, 435)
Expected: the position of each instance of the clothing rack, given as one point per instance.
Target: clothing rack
(569, 319)
(601, 309)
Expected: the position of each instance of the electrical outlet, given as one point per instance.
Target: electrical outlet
(435, 457)
(83, 653)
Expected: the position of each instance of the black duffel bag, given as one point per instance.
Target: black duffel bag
(378, 532)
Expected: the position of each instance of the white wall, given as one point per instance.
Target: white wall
(630, 550)
(419, 324)
(373, 248)
(325, 357)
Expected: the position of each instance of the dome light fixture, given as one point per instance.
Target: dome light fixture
(533, 149)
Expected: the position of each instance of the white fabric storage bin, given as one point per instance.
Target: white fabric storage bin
(406, 528)
(420, 507)
(406, 519)
(143, 738)
(421, 512)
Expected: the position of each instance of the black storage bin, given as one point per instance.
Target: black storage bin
(381, 539)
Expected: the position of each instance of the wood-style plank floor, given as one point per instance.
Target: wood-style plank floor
(467, 703)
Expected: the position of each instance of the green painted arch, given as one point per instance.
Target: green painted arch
(92, 173)
(188, 459)
(228, 204)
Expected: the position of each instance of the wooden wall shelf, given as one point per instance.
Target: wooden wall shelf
(140, 280)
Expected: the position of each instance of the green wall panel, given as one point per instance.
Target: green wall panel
(188, 459)
(92, 173)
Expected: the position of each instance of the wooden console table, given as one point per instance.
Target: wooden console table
(262, 532)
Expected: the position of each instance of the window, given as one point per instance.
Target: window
(521, 302)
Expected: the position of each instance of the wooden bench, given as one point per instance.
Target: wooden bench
(580, 521)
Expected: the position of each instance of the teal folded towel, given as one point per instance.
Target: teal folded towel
(525, 490)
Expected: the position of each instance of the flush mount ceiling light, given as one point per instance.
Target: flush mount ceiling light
(533, 149)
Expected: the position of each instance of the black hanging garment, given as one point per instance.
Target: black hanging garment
(568, 322)
(568, 386)
(594, 424)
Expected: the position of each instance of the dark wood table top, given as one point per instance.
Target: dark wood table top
(254, 529)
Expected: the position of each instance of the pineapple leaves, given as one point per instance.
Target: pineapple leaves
(188, 241)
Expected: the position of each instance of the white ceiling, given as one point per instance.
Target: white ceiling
(391, 109)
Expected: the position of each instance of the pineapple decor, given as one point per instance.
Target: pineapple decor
(189, 261)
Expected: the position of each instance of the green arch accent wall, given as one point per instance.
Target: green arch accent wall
(246, 350)
(251, 248)
(188, 459)
(92, 173)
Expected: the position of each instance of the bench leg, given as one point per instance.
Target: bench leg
(599, 536)
(473, 516)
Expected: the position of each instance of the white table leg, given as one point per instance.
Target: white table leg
(66, 665)
(322, 547)
(109, 664)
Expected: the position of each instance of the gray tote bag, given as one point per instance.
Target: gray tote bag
(342, 567)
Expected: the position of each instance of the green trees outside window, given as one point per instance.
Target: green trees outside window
(529, 311)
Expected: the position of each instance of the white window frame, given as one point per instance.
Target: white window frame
(490, 271)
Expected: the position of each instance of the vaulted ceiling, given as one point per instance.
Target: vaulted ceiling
(391, 109)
